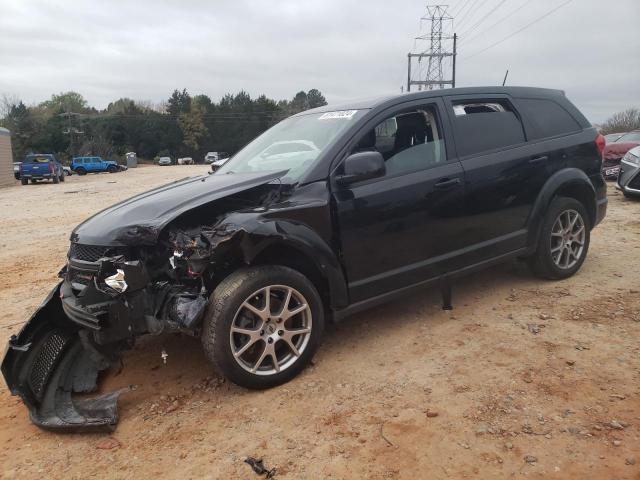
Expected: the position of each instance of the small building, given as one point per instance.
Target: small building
(6, 159)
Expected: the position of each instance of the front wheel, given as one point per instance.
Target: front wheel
(81, 171)
(263, 325)
(564, 240)
(112, 169)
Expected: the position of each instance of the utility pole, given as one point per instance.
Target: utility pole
(432, 74)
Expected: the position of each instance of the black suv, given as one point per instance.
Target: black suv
(329, 212)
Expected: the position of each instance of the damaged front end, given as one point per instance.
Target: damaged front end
(48, 361)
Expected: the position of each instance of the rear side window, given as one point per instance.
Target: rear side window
(483, 125)
(547, 118)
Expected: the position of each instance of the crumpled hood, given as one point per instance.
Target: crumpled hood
(614, 151)
(140, 219)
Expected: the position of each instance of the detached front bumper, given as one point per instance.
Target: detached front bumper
(48, 361)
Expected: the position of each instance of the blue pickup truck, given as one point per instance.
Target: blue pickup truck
(84, 165)
(41, 166)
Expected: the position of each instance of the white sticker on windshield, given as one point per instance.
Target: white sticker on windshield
(339, 114)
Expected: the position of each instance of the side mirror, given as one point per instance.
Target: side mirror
(361, 166)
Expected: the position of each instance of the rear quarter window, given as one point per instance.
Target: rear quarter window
(484, 125)
(547, 118)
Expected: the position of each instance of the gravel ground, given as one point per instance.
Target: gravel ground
(523, 378)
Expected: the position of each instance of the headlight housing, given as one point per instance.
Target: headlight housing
(117, 281)
(631, 158)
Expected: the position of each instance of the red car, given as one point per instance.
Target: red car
(613, 153)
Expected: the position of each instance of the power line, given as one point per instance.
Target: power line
(520, 30)
(510, 14)
(462, 7)
(466, 14)
(475, 25)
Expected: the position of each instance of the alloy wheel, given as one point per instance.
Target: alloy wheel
(271, 330)
(567, 239)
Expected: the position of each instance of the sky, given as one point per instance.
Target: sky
(144, 49)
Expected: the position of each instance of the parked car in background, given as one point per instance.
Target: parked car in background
(67, 170)
(41, 166)
(258, 258)
(185, 161)
(84, 165)
(16, 170)
(629, 177)
(613, 153)
(211, 157)
(218, 163)
(164, 161)
(612, 137)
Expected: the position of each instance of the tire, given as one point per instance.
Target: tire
(24, 181)
(561, 252)
(112, 169)
(227, 309)
(81, 171)
(62, 176)
(56, 179)
(33, 181)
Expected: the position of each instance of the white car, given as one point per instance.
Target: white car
(185, 161)
(165, 161)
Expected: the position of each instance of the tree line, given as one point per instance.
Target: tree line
(182, 126)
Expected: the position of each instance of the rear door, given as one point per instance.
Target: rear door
(503, 173)
(400, 229)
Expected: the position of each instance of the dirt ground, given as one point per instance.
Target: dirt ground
(523, 378)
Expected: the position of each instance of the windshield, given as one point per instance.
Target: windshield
(629, 137)
(293, 144)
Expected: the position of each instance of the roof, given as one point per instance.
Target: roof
(374, 102)
(4, 131)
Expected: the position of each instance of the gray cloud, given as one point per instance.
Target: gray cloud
(347, 49)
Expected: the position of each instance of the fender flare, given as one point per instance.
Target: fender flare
(290, 234)
(568, 179)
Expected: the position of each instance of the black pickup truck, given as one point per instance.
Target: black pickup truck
(329, 212)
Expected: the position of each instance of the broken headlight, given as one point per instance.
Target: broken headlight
(117, 281)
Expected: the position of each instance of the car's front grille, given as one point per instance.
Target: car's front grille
(88, 253)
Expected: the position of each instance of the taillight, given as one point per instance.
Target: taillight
(600, 143)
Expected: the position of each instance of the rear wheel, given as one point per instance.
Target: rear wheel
(564, 240)
(62, 176)
(263, 326)
(56, 179)
(81, 171)
(24, 181)
(34, 181)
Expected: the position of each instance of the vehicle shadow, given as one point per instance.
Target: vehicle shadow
(184, 365)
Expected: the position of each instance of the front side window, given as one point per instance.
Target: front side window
(408, 141)
(483, 125)
(293, 144)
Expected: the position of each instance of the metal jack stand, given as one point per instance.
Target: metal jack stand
(445, 288)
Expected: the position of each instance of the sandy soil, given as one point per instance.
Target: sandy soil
(522, 378)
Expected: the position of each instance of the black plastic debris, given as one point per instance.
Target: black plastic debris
(259, 468)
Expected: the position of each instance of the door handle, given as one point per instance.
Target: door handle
(447, 183)
(542, 158)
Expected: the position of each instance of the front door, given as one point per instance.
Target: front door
(400, 229)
